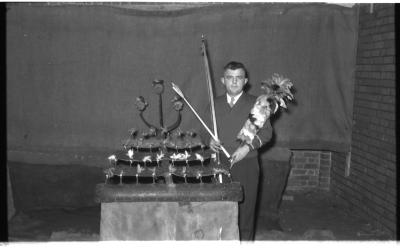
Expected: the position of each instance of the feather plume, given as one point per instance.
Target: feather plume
(277, 92)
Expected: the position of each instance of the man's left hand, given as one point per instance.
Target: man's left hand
(240, 153)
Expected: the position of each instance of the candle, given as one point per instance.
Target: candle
(112, 158)
(200, 158)
(199, 177)
(214, 156)
(146, 159)
(130, 153)
(120, 177)
(159, 158)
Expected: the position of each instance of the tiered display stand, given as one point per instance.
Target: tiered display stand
(165, 184)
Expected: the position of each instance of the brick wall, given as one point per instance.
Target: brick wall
(368, 183)
(310, 169)
(325, 163)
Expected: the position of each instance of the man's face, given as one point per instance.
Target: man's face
(234, 81)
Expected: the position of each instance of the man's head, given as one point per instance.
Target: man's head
(235, 78)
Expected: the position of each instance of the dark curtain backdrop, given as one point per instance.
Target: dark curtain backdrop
(73, 72)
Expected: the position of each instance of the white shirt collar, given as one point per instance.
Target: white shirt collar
(235, 98)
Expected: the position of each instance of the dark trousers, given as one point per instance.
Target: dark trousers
(272, 185)
(247, 173)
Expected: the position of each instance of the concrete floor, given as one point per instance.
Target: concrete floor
(312, 215)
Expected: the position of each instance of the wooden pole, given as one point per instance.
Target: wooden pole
(210, 89)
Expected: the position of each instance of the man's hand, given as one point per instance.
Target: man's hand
(239, 154)
(215, 145)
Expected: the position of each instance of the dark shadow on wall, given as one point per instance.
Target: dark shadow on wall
(38, 186)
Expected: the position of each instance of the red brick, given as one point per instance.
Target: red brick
(296, 172)
(296, 182)
(325, 164)
(367, 104)
(326, 186)
(385, 28)
(374, 83)
(325, 154)
(389, 43)
(299, 177)
(324, 180)
(388, 20)
(383, 6)
(311, 154)
(374, 90)
(391, 194)
(377, 60)
(383, 36)
(388, 59)
(365, 33)
(389, 75)
(365, 46)
(298, 166)
(386, 115)
(368, 97)
(311, 172)
(297, 159)
(362, 60)
(386, 107)
(386, 52)
(368, 187)
(388, 99)
(312, 183)
(388, 67)
(373, 53)
(379, 45)
(312, 160)
(310, 166)
(324, 172)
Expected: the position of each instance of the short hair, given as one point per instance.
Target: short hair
(235, 65)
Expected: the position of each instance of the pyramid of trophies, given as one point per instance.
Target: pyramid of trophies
(164, 154)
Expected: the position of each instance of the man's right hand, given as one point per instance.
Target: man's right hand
(215, 145)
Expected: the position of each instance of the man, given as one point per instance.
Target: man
(231, 111)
